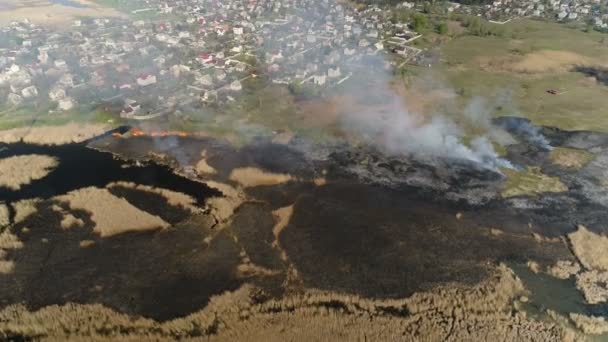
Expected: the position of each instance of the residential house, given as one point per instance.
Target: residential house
(146, 80)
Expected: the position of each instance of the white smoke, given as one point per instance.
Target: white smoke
(524, 129)
(398, 131)
(477, 113)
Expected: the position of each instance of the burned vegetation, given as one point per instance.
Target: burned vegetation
(276, 221)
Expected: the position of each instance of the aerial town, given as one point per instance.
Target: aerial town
(149, 67)
(591, 12)
(202, 53)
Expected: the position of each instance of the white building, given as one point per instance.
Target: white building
(220, 75)
(205, 80)
(13, 69)
(43, 57)
(57, 93)
(30, 91)
(15, 99)
(319, 79)
(236, 86)
(60, 63)
(66, 104)
(334, 73)
(146, 80)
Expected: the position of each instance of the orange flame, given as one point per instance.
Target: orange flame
(139, 133)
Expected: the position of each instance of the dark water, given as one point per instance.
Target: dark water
(80, 167)
(550, 293)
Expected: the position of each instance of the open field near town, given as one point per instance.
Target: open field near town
(51, 12)
(533, 57)
(512, 73)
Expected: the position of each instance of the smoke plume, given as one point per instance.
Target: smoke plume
(399, 131)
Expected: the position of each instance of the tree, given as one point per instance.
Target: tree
(479, 27)
(442, 28)
(401, 15)
(419, 22)
(427, 8)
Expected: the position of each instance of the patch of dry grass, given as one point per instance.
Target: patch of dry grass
(251, 176)
(86, 243)
(483, 313)
(4, 216)
(24, 208)
(173, 197)
(570, 158)
(551, 61)
(69, 221)
(53, 135)
(249, 269)
(590, 248)
(593, 286)
(542, 61)
(112, 215)
(8, 241)
(590, 324)
(530, 182)
(282, 215)
(222, 208)
(22, 170)
(202, 167)
(320, 181)
(564, 269)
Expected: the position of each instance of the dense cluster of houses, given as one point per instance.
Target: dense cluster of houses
(204, 52)
(500, 11)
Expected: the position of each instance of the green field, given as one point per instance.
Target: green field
(127, 6)
(478, 66)
(530, 182)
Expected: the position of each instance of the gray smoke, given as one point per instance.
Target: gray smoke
(399, 131)
(533, 135)
(396, 131)
(524, 129)
(171, 145)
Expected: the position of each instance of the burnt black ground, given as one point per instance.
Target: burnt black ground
(382, 227)
(159, 274)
